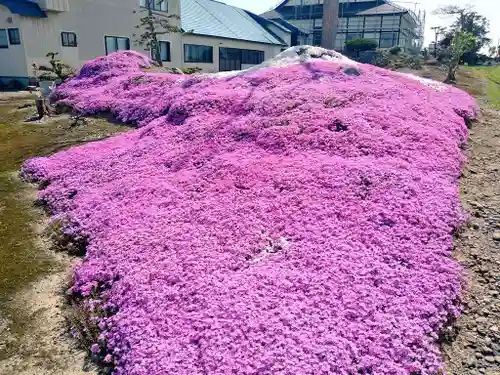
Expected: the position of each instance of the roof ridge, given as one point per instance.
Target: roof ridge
(213, 15)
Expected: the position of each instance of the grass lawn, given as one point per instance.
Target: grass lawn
(492, 73)
(21, 260)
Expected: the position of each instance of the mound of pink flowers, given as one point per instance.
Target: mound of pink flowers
(290, 220)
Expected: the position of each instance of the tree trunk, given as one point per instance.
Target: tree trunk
(452, 74)
(42, 107)
(154, 45)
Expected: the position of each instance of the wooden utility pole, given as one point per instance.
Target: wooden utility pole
(438, 30)
(330, 23)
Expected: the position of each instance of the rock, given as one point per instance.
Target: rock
(494, 329)
(481, 320)
(478, 355)
(490, 359)
(471, 362)
(496, 236)
(497, 359)
(486, 350)
(476, 204)
(352, 71)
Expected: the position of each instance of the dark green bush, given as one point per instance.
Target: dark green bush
(395, 50)
(361, 44)
(191, 70)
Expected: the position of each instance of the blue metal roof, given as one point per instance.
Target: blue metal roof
(24, 8)
(208, 17)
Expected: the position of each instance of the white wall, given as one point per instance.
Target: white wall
(91, 20)
(12, 59)
(269, 49)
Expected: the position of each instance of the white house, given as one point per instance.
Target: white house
(215, 37)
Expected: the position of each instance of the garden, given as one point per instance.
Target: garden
(297, 218)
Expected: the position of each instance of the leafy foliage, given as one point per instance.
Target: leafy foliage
(361, 44)
(396, 50)
(153, 25)
(462, 42)
(467, 21)
(56, 70)
(191, 70)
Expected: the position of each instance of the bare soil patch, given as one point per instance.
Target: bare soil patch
(34, 336)
(476, 345)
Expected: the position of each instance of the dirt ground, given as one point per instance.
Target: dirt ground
(476, 348)
(34, 337)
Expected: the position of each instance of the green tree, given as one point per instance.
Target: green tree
(469, 21)
(462, 42)
(153, 25)
(360, 45)
(56, 70)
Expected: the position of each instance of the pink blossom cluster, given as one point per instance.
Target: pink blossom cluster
(292, 220)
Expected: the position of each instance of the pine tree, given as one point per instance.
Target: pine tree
(152, 26)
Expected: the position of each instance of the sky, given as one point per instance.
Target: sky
(488, 8)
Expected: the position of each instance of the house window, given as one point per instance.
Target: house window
(161, 5)
(251, 57)
(352, 36)
(164, 51)
(317, 36)
(14, 36)
(340, 42)
(373, 23)
(388, 39)
(116, 43)
(4, 42)
(198, 54)
(68, 39)
(373, 36)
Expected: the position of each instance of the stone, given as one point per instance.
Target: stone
(352, 71)
(490, 359)
(494, 329)
(471, 362)
(496, 236)
(497, 359)
(486, 350)
(481, 320)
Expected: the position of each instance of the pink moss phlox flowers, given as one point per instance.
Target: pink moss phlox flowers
(294, 220)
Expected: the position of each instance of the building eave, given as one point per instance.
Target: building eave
(24, 8)
(235, 39)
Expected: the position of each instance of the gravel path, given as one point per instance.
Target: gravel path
(476, 339)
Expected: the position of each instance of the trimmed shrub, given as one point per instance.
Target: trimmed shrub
(361, 44)
(395, 50)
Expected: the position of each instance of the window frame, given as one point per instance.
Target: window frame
(168, 46)
(186, 60)
(5, 46)
(256, 56)
(142, 4)
(394, 39)
(9, 35)
(68, 44)
(116, 43)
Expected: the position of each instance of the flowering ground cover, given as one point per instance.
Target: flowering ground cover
(290, 220)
